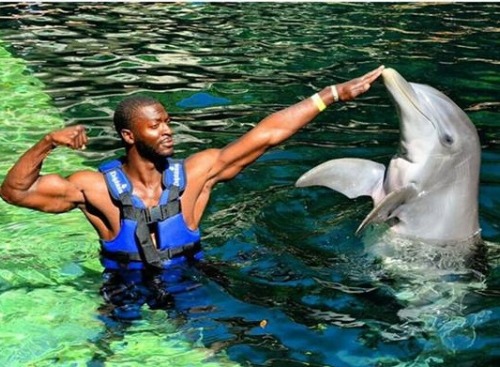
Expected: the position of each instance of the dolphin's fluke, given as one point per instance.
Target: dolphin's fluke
(352, 177)
(389, 206)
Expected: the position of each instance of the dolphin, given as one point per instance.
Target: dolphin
(429, 192)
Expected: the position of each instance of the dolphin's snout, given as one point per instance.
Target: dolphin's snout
(388, 72)
(400, 90)
(391, 76)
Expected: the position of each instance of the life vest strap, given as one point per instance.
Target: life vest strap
(146, 246)
(151, 215)
(123, 257)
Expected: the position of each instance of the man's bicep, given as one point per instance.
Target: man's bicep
(53, 193)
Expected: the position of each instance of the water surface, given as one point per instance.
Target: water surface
(285, 255)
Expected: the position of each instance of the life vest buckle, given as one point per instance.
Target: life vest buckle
(153, 214)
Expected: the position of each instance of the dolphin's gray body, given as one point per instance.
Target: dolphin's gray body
(430, 189)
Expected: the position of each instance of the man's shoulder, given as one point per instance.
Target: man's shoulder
(87, 179)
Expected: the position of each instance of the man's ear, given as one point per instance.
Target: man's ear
(127, 136)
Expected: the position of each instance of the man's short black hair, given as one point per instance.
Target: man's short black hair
(126, 109)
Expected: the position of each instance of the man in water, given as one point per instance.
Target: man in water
(146, 207)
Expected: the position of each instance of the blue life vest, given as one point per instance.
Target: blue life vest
(133, 247)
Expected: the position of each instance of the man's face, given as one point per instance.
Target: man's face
(152, 132)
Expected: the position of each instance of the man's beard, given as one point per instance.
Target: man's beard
(148, 152)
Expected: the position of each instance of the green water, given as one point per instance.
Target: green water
(282, 254)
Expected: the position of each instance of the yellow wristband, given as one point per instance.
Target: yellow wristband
(318, 102)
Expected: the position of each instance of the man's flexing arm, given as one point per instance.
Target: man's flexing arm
(25, 186)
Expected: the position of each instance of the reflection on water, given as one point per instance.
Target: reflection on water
(277, 253)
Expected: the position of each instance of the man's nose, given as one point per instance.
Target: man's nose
(166, 129)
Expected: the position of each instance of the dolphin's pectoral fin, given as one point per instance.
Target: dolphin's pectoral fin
(387, 208)
(352, 177)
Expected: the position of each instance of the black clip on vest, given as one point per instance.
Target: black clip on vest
(144, 218)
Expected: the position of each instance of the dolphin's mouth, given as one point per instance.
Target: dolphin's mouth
(395, 83)
(407, 101)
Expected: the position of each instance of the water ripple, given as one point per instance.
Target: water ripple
(290, 251)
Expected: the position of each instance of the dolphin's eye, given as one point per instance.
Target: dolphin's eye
(448, 139)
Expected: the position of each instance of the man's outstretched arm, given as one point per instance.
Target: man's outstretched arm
(24, 186)
(281, 125)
